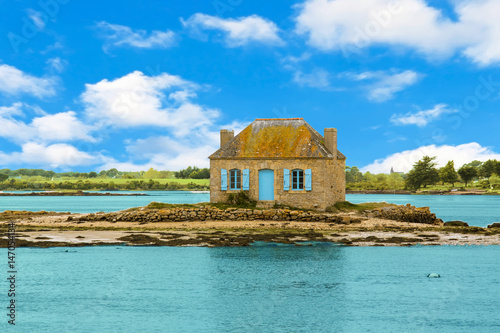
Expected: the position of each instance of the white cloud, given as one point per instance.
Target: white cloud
(38, 18)
(238, 32)
(165, 101)
(165, 153)
(389, 85)
(422, 118)
(53, 156)
(318, 78)
(14, 82)
(57, 64)
(64, 126)
(352, 25)
(139, 100)
(169, 153)
(385, 84)
(15, 110)
(480, 24)
(120, 35)
(461, 154)
(295, 60)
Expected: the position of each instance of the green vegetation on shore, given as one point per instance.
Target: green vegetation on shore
(346, 206)
(38, 179)
(426, 177)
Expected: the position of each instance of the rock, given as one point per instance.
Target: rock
(494, 225)
(456, 224)
(407, 213)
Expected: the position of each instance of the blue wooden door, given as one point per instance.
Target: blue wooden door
(266, 184)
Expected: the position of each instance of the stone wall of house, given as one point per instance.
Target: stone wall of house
(328, 180)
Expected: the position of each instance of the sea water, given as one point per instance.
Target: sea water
(266, 288)
(479, 210)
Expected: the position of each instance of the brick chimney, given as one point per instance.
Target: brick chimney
(331, 140)
(225, 136)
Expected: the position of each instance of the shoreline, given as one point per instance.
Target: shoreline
(116, 192)
(71, 230)
(62, 194)
(436, 192)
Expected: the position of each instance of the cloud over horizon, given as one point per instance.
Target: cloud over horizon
(460, 154)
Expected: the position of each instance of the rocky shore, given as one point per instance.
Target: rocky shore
(406, 213)
(378, 192)
(424, 192)
(209, 226)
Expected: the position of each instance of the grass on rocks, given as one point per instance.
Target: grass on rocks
(346, 206)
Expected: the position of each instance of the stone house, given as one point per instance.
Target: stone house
(283, 161)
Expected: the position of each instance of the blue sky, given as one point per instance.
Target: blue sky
(95, 85)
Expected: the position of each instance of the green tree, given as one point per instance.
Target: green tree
(487, 168)
(447, 174)
(49, 174)
(353, 175)
(424, 173)
(467, 173)
(395, 181)
(111, 173)
(494, 181)
(200, 174)
(152, 173)
(185, 173)
(3, 177)
(92, 174)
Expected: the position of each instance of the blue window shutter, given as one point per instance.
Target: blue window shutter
(246, 179)
(286, 179)
(308, 180)
(223, 179)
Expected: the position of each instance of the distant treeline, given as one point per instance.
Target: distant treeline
(483, 175)
(150, 185)
(188, 173)
(112, 179)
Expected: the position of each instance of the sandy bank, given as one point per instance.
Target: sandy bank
(56, 230)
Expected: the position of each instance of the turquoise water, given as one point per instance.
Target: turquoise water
(256, 289)
(476, 210)
(99, 203)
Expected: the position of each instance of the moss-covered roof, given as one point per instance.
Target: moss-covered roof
(276, 138)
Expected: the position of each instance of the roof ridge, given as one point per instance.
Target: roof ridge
(276, 138)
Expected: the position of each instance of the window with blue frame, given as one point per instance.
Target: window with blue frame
(235, 179)
(297, 179)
